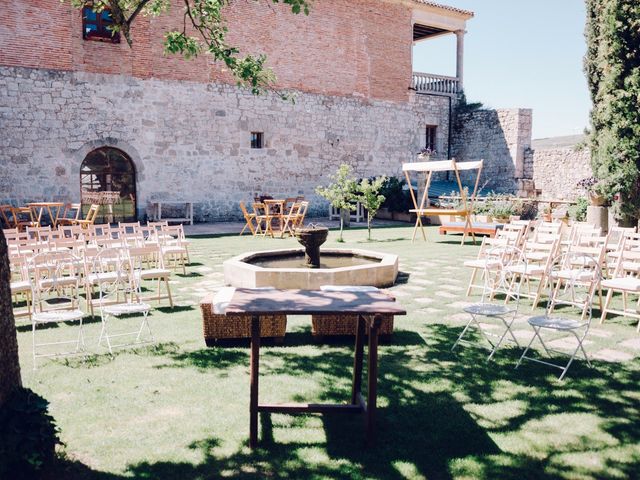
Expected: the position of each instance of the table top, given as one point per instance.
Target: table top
(310, 302)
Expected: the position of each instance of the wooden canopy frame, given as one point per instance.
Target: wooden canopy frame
(424, 209)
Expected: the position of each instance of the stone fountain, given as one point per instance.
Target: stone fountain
(311, 238)
(311, 268)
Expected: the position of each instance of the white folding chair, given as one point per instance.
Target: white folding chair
(625, 280)
(479, 264)
(577, 290)
(499, 279)
(148, 264)
(119, 297)
(55, 287)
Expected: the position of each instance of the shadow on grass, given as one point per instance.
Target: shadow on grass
(431, 422)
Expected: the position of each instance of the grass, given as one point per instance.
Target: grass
(179, 410)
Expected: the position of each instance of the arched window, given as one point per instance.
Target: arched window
(109, 169)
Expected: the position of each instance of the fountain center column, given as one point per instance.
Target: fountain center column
(311, 238)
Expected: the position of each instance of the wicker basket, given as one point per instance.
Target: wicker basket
(345, 325)
(220, 326)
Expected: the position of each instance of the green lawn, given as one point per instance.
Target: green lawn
(179, 410)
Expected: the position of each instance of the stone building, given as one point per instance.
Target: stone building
(77, 113)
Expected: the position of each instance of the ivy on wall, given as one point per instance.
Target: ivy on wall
(612, 67)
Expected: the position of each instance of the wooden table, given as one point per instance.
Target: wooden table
(38, 209)
(367, 305)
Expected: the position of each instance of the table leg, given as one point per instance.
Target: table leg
(255, 362)
(357, 360)
(374, 326)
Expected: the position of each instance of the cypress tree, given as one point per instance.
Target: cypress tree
(612, 67)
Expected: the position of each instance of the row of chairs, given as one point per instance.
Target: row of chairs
(170, 238)
(260, 221)
(25, 217)
(543, 242)
(56, 279)
(574, 278)
(157, 249)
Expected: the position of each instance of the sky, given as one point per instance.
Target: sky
(520, 54)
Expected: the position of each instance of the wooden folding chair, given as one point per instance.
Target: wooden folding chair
(424, 210)
(90, 219)
(249, 218)
(71, 214)
(290, 220)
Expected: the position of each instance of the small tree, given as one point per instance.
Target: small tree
(371, 197)
(341, 193)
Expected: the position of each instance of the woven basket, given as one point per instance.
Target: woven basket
(345, 324)
(220, 326)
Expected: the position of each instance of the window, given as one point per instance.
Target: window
(95, 26)
(257, 139)
(430, 137)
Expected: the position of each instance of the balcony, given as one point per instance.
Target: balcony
(428, 83)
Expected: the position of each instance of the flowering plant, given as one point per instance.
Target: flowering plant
(594, 188)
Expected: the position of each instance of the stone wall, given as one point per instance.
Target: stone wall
(190, 141)
(555, 172)
(500, 137)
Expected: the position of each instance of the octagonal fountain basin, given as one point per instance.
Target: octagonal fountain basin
(285, 269)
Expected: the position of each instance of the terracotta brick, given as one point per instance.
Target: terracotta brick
(358, 48)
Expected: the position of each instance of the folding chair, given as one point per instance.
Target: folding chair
(249, 218)
(20, 285)
(499, 279)
(423, 209)
(479, 264)
(538, 258)
(260, 216)
(575, 269)
(70, 215)
(625, 279)
(90, 218)
(576, 290)
(290, 220)
(55, 292)
(147, 263)
(174, 246)
(119, 297)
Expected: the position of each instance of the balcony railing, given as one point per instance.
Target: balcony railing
(430, 83)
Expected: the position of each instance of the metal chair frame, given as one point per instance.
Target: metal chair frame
(572, 286)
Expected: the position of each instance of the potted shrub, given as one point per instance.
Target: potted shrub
(502, 210)
(594, 190)
(482, 211)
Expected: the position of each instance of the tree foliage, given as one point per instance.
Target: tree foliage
(612, 66)
(202, 29)
(369, 191)
(341, 192)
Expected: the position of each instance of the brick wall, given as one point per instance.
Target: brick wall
(190, 141)
(358, 48)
